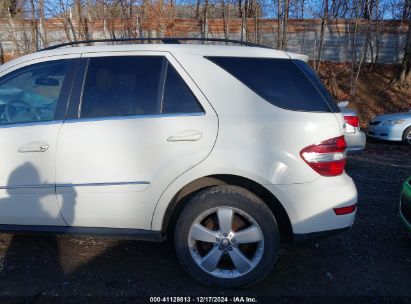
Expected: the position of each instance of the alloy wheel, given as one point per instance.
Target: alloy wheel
(226, 242)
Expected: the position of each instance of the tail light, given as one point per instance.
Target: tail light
(345, 210)
(352, 120)
(328, 157)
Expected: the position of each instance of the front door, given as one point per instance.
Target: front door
(33, 98)
(141, 123)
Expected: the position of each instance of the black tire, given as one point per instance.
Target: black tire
(406, 136)
(239, 199)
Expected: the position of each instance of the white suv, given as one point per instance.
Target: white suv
(225, 149)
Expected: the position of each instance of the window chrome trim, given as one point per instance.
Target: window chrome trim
(138, 116)
(27, 187)
(30, 123)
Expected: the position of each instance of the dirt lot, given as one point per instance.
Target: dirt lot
(370, 263)
(375, 94)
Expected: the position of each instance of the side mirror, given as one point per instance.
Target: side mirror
(46, 81)
(343, 104)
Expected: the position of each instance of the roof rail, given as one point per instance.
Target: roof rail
(165, 40)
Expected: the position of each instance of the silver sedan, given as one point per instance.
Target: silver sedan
(393, 127)
(354, 136)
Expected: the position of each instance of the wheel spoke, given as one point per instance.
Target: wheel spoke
(249, 235)
(240, 261)
(225, 219)
(201, 233)
(210, 261)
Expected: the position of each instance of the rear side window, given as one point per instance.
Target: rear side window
(178, 97)
(318, 83)
(134, 85)
(281, 82)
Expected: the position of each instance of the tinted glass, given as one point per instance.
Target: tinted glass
(279, 81)
(121, 86)
(134, 85)
(318, 83)
(178, 98)
(31, 94)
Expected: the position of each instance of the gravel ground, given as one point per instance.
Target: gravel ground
(372, 262)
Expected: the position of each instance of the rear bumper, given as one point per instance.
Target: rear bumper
(318, 235)
(355, 142)
(310, 206)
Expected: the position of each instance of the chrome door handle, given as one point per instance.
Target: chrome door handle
(189, 135)
(35, 147)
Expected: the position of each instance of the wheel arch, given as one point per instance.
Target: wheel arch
(407, 129)
(185, 193)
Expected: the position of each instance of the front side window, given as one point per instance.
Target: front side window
(32, 93)
(134, 85)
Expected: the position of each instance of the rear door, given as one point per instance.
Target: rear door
(137, 124)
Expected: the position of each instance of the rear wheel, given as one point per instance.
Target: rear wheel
(227, 237)
(406, 136)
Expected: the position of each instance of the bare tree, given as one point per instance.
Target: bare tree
(377, 30)
(33, 23)
(279, 24)
(13, 31)
(302, 8)
(243, 19)
(354, 19)
(1, 53)
(225, 14)
(367, 38)
(284, 25)
(404, 77)
(256, 13)
(30, 24)
(324, 21)
(204, 24)
(406, 11)
(42, 20)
